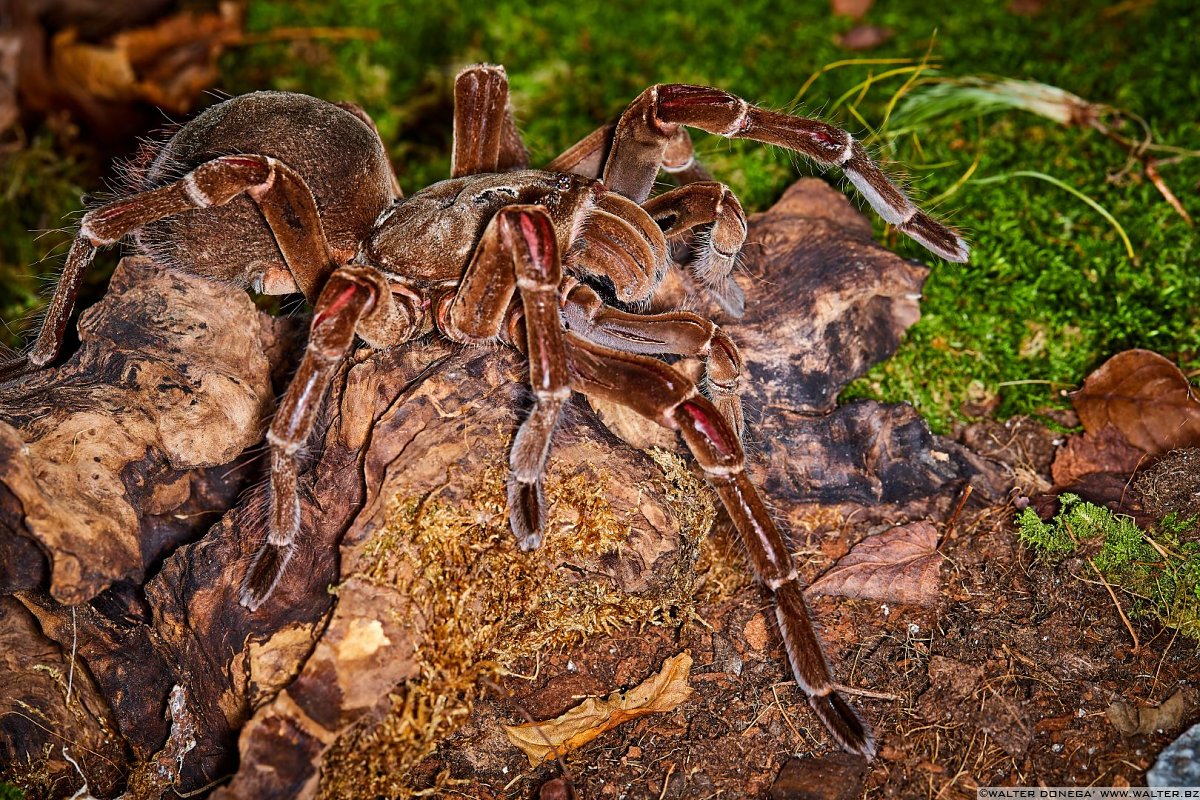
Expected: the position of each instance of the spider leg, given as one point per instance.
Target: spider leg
(355, 300)
(714, 209)
(281, 194)
(519, 252)
(586, 157)
(485, 137)
(663, 394)
(676, 333)
(651, 121)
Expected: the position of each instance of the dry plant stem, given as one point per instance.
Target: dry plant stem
(1151, 167)
(1137, 645)
(962, 501)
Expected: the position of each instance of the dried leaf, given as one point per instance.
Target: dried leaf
(594, 717)
(1146, 397)
(1105, 450)
(1130, 719)
(900, 565)
(865, 37)
(856, 9)
(167, 64)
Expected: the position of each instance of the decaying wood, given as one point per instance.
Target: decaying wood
(111, 462)
(102, 461)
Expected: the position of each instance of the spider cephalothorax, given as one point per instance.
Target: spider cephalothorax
(285, 193)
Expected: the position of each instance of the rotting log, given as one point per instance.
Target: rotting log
(123, 581)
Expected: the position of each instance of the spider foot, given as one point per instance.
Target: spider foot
(527, 513)
(728, 296)
(264, 574)
(843, 724)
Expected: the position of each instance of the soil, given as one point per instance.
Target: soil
(1007, 681)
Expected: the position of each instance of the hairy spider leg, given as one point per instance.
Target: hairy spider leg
(519, 252)
(679, 333)
(715, 213)
(355, 300)
(711, 208)
(661, 393)
(586, 157)
(651, 121)
(281, 194)
(485, 137)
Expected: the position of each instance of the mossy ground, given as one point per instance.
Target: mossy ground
(456, 562)
(1158, 568)
(1050, 290)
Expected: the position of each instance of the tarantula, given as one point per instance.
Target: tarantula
(286, 193)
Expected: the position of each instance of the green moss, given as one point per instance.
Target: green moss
(1159, 568)
(10, 792)
(39, 187)
(1050, 291)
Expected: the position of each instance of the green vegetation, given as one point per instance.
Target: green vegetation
(1159, 568)
(1051, 290)
(10, 792)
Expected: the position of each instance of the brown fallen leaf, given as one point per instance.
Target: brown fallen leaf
(1144, 396)
(1131, 720)
(1106, 450)
(900, 565)
(593, 717)
(865, 37)
(856, 9)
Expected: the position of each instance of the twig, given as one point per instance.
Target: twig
(1151, 168)
(666, 780)
(71, 670)
(1137, 645)
(289, 34)
(962, 501)
(844, 689)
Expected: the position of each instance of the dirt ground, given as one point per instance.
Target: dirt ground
(1008, 680)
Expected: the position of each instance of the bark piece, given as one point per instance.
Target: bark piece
(37, 719)
(1131, 720)
(836, 777)
(867, 454)
(824, 303)
(103, 456)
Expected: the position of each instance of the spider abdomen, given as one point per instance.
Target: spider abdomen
(339, 157)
